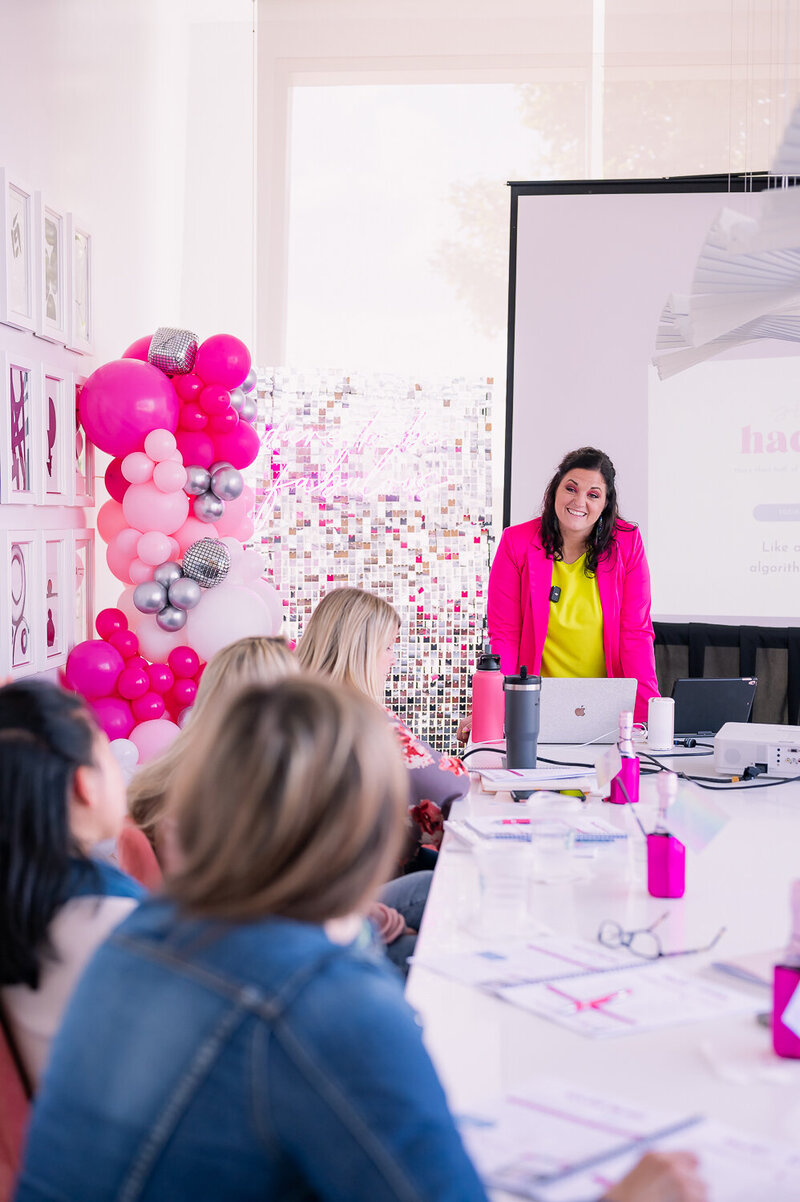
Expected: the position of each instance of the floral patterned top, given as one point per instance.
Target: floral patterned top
(435, 782)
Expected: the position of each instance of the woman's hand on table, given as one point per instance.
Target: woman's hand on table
(661, 1177)
(464, 729)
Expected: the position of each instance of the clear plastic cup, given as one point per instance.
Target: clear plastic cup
(552, 842)
(504, 874)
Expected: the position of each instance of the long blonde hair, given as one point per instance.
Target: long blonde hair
(320, 795)
(248, 661)
(345, 636)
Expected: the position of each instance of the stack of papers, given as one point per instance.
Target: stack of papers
(496, 780)
(586, 829)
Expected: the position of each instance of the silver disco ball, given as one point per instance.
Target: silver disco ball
(207, 561)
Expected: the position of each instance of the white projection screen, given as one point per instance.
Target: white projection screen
(708, 461)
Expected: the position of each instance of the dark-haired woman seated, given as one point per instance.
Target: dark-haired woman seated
(569, 592)
(61, 792)
(230, 1041)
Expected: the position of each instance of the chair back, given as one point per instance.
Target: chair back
(137, 858)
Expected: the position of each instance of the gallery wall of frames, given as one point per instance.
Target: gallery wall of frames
(46, 465)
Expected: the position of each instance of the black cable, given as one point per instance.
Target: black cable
(473, 750)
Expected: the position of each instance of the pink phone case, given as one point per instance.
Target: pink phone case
(785, 981)
(666, 866)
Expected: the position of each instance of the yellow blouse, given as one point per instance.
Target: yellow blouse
(574, 643)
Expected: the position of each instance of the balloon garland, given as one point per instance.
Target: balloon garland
(177, 416)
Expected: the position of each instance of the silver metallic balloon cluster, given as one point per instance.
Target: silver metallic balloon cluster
(211, 488)
(246, 406)
(174, 590)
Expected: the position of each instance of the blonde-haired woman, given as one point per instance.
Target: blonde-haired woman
(350, 637)
(225, 1042)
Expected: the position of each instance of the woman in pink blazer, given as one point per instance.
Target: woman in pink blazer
(579, 518)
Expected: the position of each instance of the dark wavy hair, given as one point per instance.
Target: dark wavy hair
(601, 539)
(45, 735)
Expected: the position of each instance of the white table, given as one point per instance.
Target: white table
(483, 1047)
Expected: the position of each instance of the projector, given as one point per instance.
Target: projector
(773, 749)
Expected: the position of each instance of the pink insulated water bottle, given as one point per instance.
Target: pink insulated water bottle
(786, 980)
(629, 772)
(488, 700)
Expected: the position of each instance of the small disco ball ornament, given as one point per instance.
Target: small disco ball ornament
(207, 561)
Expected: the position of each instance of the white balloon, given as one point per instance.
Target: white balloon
(270, 597)
(126, 754)
(226, 613)
(235, 549)
(248, 567)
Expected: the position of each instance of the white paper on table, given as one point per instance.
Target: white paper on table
(627, 1001)
(586, 828)
(532, 778)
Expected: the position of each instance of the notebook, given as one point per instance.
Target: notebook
(704, 704)
(583, 709)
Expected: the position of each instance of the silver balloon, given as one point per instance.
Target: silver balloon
(197, 480)
(165, 573)
(207, 561)
(249, 410)
(184, 593)
(237, 398)
(250, 380)
(208, 507)
(171, 619)
(149, 597)
(219, 463)
(227, 483)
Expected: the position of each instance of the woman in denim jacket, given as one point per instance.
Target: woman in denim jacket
(231, 1041)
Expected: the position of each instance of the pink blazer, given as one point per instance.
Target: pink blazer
(519, 606)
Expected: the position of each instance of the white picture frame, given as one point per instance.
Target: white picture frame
(18, 292)
(83, 453)
(57, 623)
(20, 431)
(82, 592)
(52, 272)
(81, 298)
(20, 611)
(58, 441)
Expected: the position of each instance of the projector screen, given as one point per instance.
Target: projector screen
(708, 461)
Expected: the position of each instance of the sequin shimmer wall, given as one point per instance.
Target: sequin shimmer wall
(382, 484)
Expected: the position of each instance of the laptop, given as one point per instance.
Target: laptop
(583, 709)
(704, 704)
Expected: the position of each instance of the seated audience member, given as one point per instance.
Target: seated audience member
(257, 660)
(229, 1041)
(350, 637)
(61, 793)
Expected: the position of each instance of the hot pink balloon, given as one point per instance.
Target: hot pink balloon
(196, 447)
(160, 444)
(189, 386)
(239, 447)
(148, 707)
(109, 621)
(147, 508)
(138, 661)
(93, 668)
(162, 678)
(110, 520)
(137, 467)
(139, 349)
(139, 571)
(126, 642)
(214, 399)
(223, 423)
(222, 359)
(192, 531)
(184, 662)
(113, 716)
(115, 481)
(192, 417)
(132, 683)
(169, 476)
(153, 548)
(123, 401)
(153, 737)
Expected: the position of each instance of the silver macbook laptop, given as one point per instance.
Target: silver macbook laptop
(577, 709)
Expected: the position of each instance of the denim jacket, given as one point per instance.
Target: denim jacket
(206, 1060)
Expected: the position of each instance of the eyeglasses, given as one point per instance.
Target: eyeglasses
(645, 943)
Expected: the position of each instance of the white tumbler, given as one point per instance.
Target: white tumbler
(660, 724)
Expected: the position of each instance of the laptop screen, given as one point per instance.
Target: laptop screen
(704, 704)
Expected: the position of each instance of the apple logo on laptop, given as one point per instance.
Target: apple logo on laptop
(580, 711)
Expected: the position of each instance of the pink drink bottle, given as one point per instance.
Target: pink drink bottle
(666, 855)
(786, 979)
(629, 772)
(488, 700)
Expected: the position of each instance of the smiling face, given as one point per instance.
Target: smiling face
(579, 501)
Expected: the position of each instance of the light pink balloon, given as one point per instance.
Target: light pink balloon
(169, 476)
(125, 603)
(154, 643)
(110, 520)
(153, 737)
(160, 444)
(271, 598)
(139, 571)
(137, 467)
(153, 548)
(121, 551)
(248, 567)
(226, 613)
(236, 514)
(147, 508)
(174, 547)
(192, 531)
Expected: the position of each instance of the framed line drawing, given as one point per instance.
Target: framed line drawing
(83, 455)
(80, 336)
(52, 317)
(20, 431)
(81, 575)
(17, 259)
(19, 612)
(58, 436)
(56, 625)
